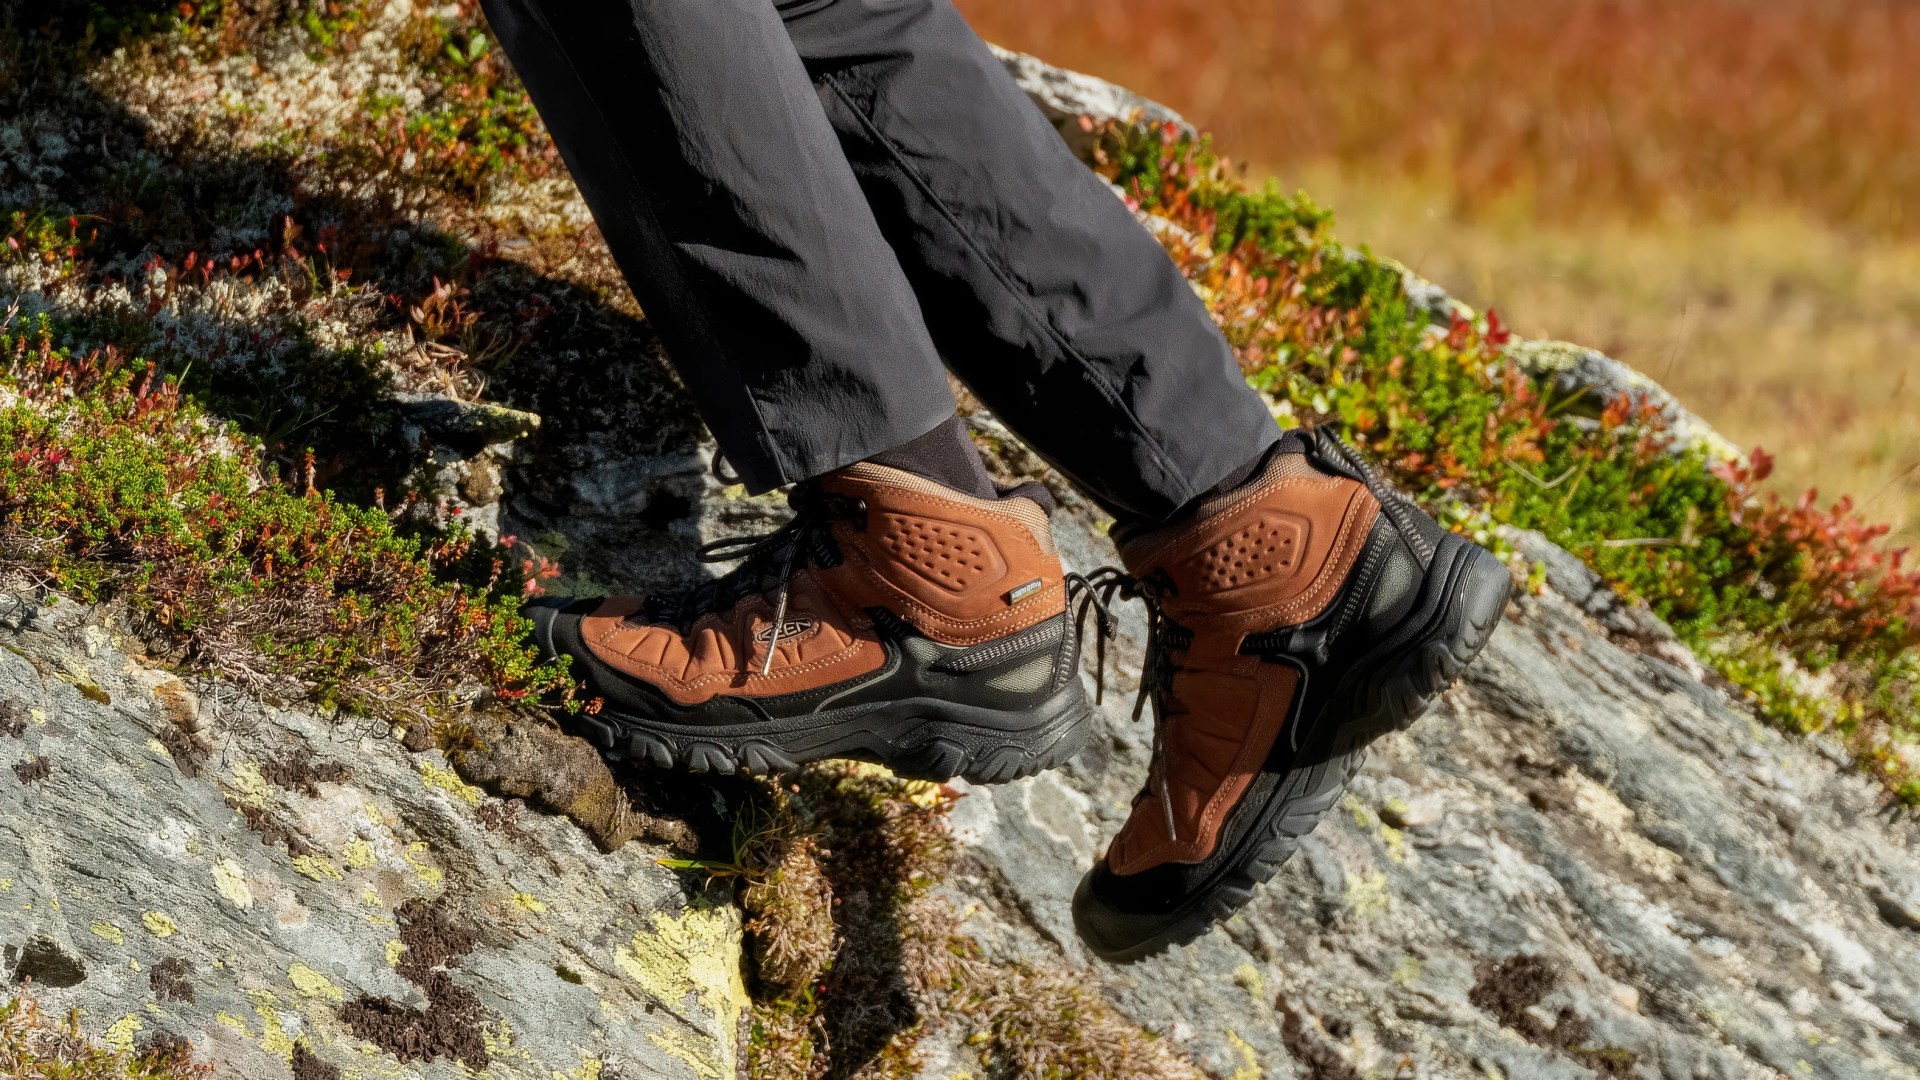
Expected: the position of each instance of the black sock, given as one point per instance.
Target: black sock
(944, 455)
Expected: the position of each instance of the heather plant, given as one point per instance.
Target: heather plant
(475, 121)
(116, 486)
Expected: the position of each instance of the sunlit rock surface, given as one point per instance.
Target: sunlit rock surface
(290, 890)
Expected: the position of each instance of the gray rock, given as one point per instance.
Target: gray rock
(1071, 97)
(479, 423)
(1898, 904)
(254, 878)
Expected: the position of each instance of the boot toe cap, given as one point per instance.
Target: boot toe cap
(1108, 930)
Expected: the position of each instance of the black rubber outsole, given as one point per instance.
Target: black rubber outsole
(1374, 702)
(922, 738)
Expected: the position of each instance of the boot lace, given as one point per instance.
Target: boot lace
(1094, 594)
(768, 561)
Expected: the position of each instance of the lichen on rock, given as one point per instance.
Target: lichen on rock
(137, 890)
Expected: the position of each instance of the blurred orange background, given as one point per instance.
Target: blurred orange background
(1723, 193)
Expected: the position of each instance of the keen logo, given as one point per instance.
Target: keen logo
(792, 628)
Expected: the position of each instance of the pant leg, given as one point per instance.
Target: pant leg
(701, 147)
(1043, 292)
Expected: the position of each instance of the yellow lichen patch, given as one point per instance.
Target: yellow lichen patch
(6, 884)
(106, 931)
(133, 963)
(394, 949)
(119, 1037)
(158, 924)
(235, 1023)
(273, 1035)
(590, 1068)
(1407, 971)
(497, 1037)
(312, 984)
(1249, 979)
(1362, 814)
(528, 903)
(449, 781)
(159, 749)
(358, 853)
(231, 881)
(1396, 842)
(676, 1044)
(370, 896)
(429, 874)
(1249, 1061)
(1367, 894)
(696, 955)
(317, 867)
(247, 786)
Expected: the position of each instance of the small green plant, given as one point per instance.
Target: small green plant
(115, 486)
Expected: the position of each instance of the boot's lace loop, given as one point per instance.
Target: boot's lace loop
(1095, 594)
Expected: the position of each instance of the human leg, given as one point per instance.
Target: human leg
(699, 144)
(1042, 291)
(909, 613)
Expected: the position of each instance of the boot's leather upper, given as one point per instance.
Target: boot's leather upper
(1271, 554)
(957, 569)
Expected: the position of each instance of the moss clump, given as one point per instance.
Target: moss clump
(857, 958)
(792, 945)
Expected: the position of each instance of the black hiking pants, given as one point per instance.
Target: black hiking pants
(818, 202)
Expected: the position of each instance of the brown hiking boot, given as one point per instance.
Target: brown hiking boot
(1291, 622)
(893, 620)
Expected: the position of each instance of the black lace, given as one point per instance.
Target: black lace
(1094, 594)
(768, 561)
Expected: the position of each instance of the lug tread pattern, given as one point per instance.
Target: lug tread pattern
(932, 751)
